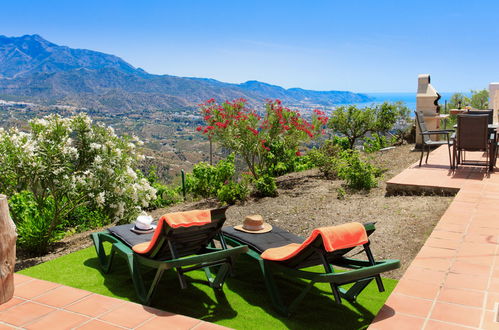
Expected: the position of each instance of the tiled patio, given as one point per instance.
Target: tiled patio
(40, 304)
(453, 283)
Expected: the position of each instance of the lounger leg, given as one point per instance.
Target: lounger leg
(272, 288)
(427, 154)
(421, 157)
(356, 289)
(105, 261)
(381, 287)
(137, 279)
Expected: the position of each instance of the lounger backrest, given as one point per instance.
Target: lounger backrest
(310, 256)
(187, 240)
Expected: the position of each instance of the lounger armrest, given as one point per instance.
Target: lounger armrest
(357, 272)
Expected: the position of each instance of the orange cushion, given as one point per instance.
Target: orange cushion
(188, 218)
(174, 220)
(334, 238)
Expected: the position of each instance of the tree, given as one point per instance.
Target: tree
(458, 100)
(480, 99)
(352, 122)
(243, 131)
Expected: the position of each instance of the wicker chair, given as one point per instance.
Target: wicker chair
(488, 112)
(473, 135)
(428, 143)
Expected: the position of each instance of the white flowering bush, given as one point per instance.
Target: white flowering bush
(66, 165)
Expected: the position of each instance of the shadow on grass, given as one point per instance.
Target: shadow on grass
(245, 296)
(193, 301)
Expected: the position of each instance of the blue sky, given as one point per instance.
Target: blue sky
(363, 46)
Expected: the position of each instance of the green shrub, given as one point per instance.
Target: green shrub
(341, 142)
(377, 142)
(84, 218)
(231, 192)
(216, 181)
(265, 186)
(341, 193)
(32, 221)
(205, 179)
(326, 158)
(66, 164)
(357, 173)
(165, 196)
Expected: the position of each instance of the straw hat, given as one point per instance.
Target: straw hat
(254, 224)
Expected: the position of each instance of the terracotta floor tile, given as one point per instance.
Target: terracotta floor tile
(493, 285)
(128, 315)
(464, 267)
(452, 227)
(95, 305)
(432, 252)
(482, 238)
(19, 279)
(492, 299)
(417, 289)
(424, 275)
(57, 320)
(443, 243)
(397, 321)
(14, 301)
(467, 281)
(30, 289)
(438, 325)
(409, 305)
(436, 264)
(62, 296)
(456, 313)
(6, 327)
(478, 248)
(488, 322)
(24, 313)
(170, 321)
(446, 235)
(462, 297)
(94, 324)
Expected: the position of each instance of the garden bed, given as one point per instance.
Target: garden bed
(306, 201)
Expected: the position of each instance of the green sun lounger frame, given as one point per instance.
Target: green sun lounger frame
(181, 249)
(360, 272)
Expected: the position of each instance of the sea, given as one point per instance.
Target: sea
(408, 98)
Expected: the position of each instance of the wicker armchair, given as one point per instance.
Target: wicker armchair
(473, 135)
(427, 142)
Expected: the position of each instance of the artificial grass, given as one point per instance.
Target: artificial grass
(243, 304)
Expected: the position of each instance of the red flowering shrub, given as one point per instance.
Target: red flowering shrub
(251, 136)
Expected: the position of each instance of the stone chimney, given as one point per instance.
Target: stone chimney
(427, 102)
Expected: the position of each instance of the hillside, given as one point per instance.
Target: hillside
(36, 70)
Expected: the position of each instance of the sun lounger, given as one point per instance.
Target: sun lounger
(182, 241)
(280, 251)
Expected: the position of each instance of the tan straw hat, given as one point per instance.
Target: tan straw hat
(254, 224)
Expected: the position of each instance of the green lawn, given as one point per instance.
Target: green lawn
(244, 303)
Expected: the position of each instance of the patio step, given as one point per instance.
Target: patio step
(453, 283)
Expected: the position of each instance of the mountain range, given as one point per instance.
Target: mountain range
(36, 70)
